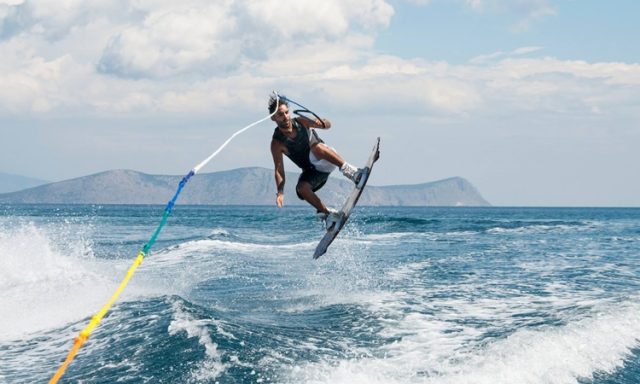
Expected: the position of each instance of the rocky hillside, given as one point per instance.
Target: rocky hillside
(244, 186)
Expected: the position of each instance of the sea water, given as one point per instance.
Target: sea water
(404, 295)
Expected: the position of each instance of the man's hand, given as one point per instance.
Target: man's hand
(280, 199)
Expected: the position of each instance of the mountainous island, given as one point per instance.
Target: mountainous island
(243, 186)
(12, 183)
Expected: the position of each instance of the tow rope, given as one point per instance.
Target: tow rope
(95, 320)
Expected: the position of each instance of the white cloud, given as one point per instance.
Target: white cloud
(187, 38)
(509, 86)
(528, 8)
(475, 4)
(201, 57)
(53, 20)
(526, 11)
(36, 86)
(170, 42)
(315, 57)
(608, 73)
(108, 47)
(525, 50)
(500, 54)
(329, 19)
(299, 18)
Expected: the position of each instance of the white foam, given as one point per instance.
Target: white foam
(531, 229)
(546, 228)
(394, 237)
(391, 235)
(211, 367)
(203, 245)
(553, 355)
(446, 334)
(430, 353)
(28, 257)
(47, 281)
(219, 232)
(405, 270)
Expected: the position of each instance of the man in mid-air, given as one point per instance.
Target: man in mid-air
(297, 139)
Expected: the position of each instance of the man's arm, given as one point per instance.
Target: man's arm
(278, 163)
(314, 123)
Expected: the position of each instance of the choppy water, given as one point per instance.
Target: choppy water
(405, 295)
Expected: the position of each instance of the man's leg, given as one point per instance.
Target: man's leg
(306, 192)
(323, 152)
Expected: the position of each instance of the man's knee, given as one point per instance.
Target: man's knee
(303, 188)
(319, 150)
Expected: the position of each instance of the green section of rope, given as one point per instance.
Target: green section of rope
(167, 212)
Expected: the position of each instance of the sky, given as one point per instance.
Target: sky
(535, 102)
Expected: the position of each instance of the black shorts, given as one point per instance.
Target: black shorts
(317, 180)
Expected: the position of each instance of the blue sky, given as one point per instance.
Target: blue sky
(589, 30)
(536, 102)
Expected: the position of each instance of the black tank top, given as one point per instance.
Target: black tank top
(298, 147)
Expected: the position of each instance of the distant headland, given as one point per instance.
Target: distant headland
(243, 186)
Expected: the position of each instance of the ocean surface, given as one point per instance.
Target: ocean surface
(404, 295)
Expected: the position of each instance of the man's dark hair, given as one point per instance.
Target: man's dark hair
(275, 102)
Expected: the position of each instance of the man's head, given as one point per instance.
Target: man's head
(281, 115)
(274, 102)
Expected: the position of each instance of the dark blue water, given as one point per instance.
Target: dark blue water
(405, 295)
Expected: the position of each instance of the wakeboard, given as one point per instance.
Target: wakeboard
(348, 205)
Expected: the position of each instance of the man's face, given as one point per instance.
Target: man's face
(282, 117)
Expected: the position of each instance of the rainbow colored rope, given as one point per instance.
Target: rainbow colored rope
(95, 320)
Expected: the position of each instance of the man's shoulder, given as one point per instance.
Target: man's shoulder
(298, 123)
(277, 144)
(277, 135)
